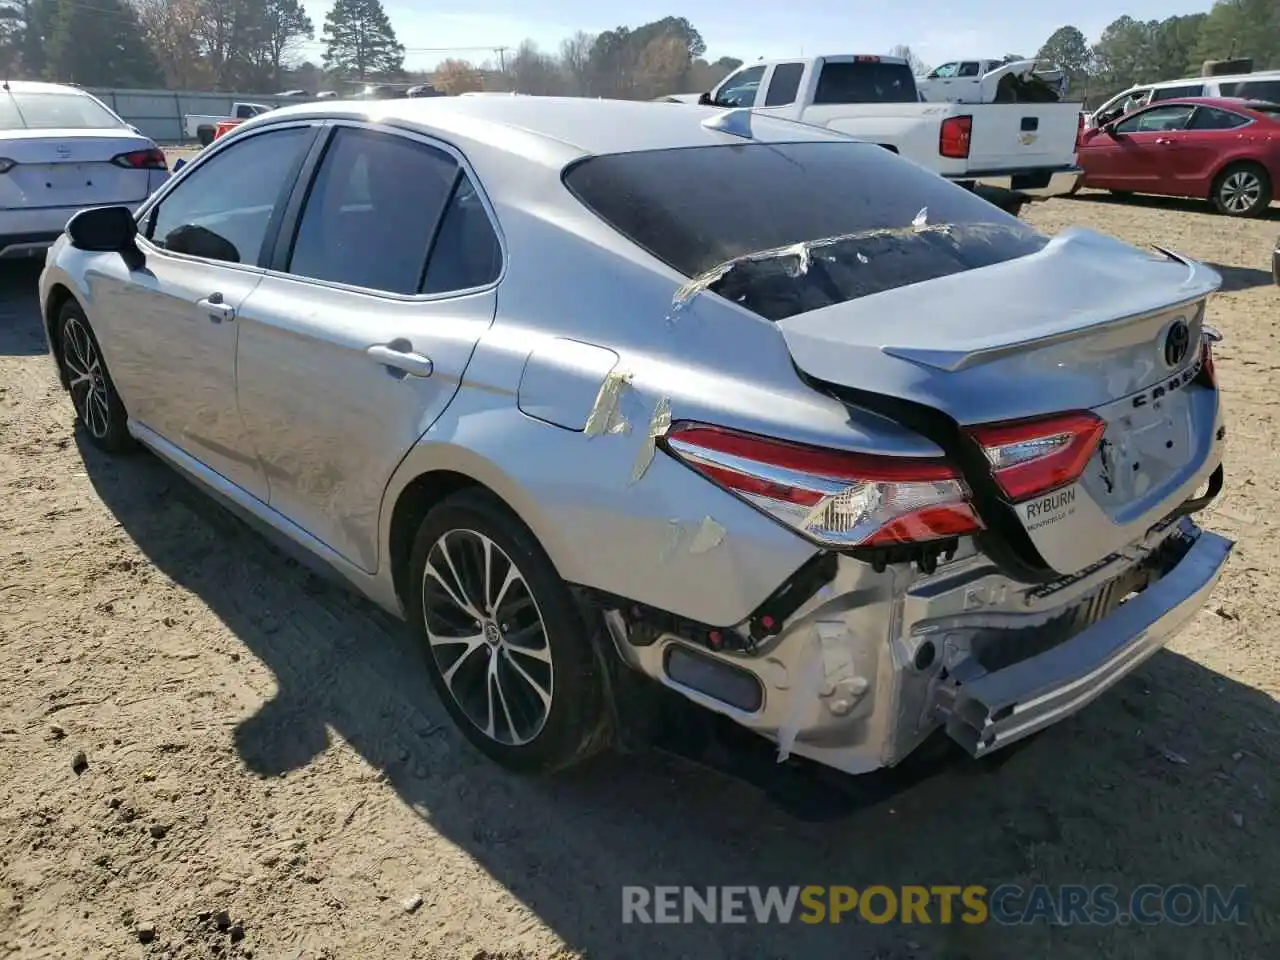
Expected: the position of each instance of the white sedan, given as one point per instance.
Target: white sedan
(62, 149)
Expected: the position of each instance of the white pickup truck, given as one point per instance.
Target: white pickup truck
(1018, 151)
(200, 127)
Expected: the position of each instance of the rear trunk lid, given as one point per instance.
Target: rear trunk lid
(70, 168)
(1084, 323)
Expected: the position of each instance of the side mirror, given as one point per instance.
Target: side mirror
(704, 100)
(200, 242)
(103, 230)
(1110, 130)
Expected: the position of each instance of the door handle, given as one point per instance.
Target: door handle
(1164, 141)
(216, 309)
(399, 355)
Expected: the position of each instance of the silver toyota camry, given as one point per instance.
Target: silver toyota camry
(589, 391)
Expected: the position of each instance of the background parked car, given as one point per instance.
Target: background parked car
(1223, 150)
(62, 149)
(1263, 85)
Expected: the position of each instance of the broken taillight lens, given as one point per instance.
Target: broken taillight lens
(834, 497)
(1035, 456)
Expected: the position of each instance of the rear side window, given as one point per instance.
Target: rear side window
(372, 211)
(1211, 118)
(1175, 93)
(784, 84)
(866, 82)
(698, 208)
(465, 254)
(1258, 90)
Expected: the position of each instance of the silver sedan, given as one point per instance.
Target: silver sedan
(593, 392)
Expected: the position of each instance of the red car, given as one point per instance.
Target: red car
(1223, 150)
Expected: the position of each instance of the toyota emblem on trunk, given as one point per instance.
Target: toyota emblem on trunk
(1176, 342)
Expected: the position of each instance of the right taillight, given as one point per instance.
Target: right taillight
(1035, 456)
(1079, 130)
(955, 136)
(1208, 374)
(834, 497)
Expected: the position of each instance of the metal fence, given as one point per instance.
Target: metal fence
(160, 113)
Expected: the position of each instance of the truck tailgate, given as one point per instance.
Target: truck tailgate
(1022, 135)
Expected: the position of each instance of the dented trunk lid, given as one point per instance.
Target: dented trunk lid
(1082, 323)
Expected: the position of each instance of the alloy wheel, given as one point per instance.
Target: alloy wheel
(1241, 191)
(87, 379)
(487, 637)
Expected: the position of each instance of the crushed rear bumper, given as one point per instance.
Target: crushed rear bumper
(987, 711)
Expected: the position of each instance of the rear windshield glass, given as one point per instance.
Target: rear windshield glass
(696, 208)
(50, 111)
(866, 82)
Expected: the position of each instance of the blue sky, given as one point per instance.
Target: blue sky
(936, 31)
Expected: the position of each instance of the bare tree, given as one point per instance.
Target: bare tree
(575, 61)
(457, 76)
(532, 71)
(917, 65)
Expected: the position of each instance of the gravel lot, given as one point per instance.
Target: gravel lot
(258, 742)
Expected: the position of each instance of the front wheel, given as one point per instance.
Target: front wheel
(508, 648)
(1243, 190)
(93, 393)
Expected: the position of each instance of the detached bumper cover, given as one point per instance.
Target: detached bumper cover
(998, 708)
(1039, 184)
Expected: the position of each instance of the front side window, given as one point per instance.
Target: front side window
(740, 89)
(1158, 119)
(222, 209)
(945, 72)
(372, 211)
(53, 111)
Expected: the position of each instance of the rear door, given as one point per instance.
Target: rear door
(1197, 152)
(383, 280)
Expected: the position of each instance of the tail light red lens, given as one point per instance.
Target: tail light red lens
(152, 159)
(955, 136)
(1079, 130)
(1032, 457)
(1208, 372)
(833, 497)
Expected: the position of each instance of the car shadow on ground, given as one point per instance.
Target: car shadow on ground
(19, 303)
(1168, 779)
(1241, 278)
(1180, 204)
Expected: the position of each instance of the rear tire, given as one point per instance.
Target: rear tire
(93, 393)
(1242, 190)
(508, 648)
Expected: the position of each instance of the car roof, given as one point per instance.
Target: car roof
(36, 86)
(1223, 78)
(1225, 103)
(553, 130)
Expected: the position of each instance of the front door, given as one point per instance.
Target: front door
(177, 330)
(1138, 157)
(355, 344)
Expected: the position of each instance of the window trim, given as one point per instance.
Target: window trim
(293, 208)
(147, 210)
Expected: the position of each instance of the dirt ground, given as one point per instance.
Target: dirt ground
(203, 742)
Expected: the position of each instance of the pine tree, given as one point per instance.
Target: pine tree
(359, 41)
(99, 46)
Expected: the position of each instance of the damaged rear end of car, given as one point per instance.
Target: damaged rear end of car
(1068, 387)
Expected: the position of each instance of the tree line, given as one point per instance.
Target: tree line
(1131, 51)
(259, 45)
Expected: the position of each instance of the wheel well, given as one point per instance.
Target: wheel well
(411, 507)
(1232, 165)
(58, 298)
